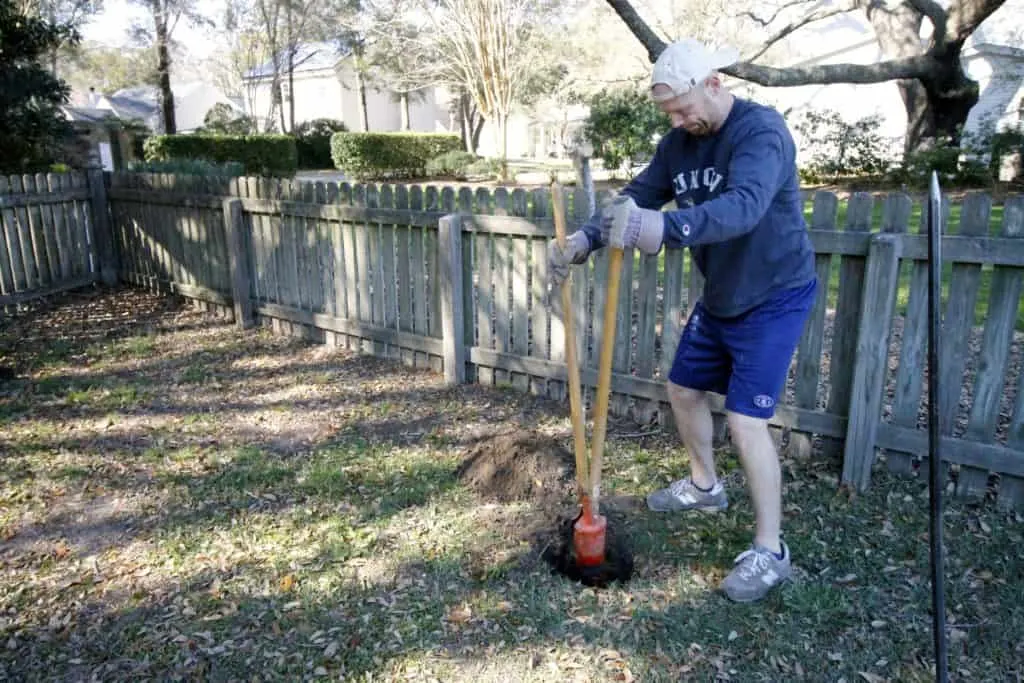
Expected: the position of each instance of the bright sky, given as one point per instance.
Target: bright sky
(112, 26)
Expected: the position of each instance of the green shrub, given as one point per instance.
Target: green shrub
(834, 148)
(451, 164)
(623, 126)
(200, 167)
(486, 169)
(365, 156)
(313, 142)
(260, 155)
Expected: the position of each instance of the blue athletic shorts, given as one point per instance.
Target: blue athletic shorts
(745, 358)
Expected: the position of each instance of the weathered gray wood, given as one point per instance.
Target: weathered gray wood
(648, 315)
(501, 266)
(452, 315)
(957, 324)
(42, 292)
(848, 315)
(520, 304)
(808, 356)
(389, 276)
(538, 311)
(652, 390)
(913, 354)
(983, 456)
(624, 333)
(22, 199)
(871, 359)
(672, 303)
(60, 237)
(355, 329)
(993, 361)
(485, 298)
(48, 229)
(36, 229)
(239, 263)
(12, 275)
(27, 255)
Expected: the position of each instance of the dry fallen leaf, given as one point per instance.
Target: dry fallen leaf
(870, 677)
(460, 615)
(287, 583)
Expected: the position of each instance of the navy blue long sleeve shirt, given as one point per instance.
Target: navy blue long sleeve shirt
(738, 207)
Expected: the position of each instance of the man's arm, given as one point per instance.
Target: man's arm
(753, 178)
(651, 189)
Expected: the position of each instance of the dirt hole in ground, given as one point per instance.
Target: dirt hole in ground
(524, 466)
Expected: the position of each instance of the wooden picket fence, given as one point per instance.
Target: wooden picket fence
(48, 238)
(454, 280)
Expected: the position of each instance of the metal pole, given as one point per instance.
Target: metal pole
(935, 469)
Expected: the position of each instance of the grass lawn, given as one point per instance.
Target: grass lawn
(180, 500)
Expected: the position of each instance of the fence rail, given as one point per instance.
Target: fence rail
(454, 279)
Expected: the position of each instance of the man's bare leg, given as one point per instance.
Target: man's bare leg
(764, 477)
(693, 421)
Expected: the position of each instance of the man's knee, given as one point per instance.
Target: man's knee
(745, 429)
(684, 397)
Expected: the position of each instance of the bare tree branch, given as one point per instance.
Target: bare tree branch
(965, 16)
(935, 14)
(910, 67)
(647, 37)
(764, 23)
(809, 18)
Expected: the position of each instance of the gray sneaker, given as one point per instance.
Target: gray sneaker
(755, 573)
(684, 495)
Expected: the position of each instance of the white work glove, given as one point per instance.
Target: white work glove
(632, 226)
(575, 252)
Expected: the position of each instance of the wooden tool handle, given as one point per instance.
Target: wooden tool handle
(604, 375)
(575, 397)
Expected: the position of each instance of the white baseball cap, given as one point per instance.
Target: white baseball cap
(686, 63)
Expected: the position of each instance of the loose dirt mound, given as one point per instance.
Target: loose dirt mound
(529, 467)
(519, 466)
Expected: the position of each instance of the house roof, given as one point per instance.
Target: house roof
(86, 114)
(308, 57)
(131, 107)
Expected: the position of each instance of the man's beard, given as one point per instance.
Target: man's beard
(700, 127)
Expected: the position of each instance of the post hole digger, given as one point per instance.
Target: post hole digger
(596, 555)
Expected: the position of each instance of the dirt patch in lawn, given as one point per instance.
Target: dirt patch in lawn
(519, 466)
(530, 467)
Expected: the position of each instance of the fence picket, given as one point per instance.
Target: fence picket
(993, 361)
(847, 317)
(958, 322)
(11, 265)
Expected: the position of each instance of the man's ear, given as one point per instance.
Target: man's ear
(713, 84)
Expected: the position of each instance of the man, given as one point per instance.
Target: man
(730, 166)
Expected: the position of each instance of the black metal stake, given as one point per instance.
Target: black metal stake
(935, 479)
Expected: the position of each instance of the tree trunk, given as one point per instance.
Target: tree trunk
(404, 104)
(477, 127)
(502, 118)
(163, 67)
(290, 42)
(364, 119)
(938, 106)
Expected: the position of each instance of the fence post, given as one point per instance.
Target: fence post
(238, 263)
(106, 253)
(452, 316)
(871, 358)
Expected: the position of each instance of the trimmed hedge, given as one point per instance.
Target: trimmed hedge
(365, 156)
(261, 155)
(313, 142)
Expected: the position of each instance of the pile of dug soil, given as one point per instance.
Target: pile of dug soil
(523, 466)
(519, 466)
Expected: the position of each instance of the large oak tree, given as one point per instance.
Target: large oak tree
(936, 92)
